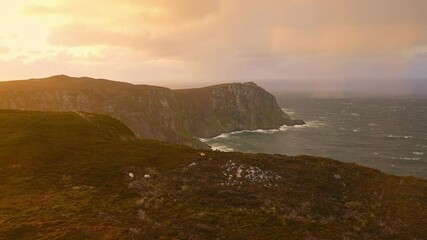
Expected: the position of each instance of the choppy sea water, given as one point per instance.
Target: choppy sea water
(386, 134)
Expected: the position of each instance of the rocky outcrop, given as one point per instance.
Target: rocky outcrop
(230, 107)
(153, 112)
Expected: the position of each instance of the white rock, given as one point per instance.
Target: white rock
(337, 176)
(202, 154)
(131, 175)
(146, 176)
(239, 172)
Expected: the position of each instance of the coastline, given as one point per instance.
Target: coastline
(283, 128)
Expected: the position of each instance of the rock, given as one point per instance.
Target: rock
(299, 122)
(146, 176)
(131, 175)
(336, 176)
(202, 154)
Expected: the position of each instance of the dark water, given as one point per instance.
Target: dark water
(386, 134)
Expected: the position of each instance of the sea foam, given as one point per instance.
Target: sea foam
(406, 158)
(401, 137)
(310, 124)
(288, 111)
(221, 148)
(224, 148)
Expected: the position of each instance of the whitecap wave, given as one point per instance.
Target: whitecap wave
(309, 124)
(263, 131)
(221, 148)
(267, 131)
(223, 135)
(288, 111)
(401, 137)
(397, 108)
(407, 158)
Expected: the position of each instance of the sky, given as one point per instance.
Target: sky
(316, 45)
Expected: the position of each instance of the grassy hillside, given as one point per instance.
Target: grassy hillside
(66, 176)
(152, 112)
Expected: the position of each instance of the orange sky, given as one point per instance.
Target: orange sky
(188, 42)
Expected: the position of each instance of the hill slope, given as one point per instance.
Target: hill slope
(152, 112)
(67, 176)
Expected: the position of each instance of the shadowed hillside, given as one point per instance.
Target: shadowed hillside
(76, 175)
(153, 112)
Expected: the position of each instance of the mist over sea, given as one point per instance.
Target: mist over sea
(386, 134)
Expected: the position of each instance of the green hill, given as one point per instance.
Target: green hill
(76, 175)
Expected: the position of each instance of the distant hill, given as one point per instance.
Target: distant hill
(77, 175)
(177, 116)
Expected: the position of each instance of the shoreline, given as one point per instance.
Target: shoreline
(283, 128)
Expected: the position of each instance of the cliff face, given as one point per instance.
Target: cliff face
(230, 107)
(152, 112)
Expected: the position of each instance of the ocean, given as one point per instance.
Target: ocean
(385, 134)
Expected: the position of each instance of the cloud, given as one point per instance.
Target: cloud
(4, 50)
(346, 40)
(421, 56)
(130, 12)
(269, 27)
(237, 39)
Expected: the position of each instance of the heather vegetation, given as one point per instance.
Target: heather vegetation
(76, 175)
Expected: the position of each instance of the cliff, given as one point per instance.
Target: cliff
(151, 112)
(230, 107)
(76, 175)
